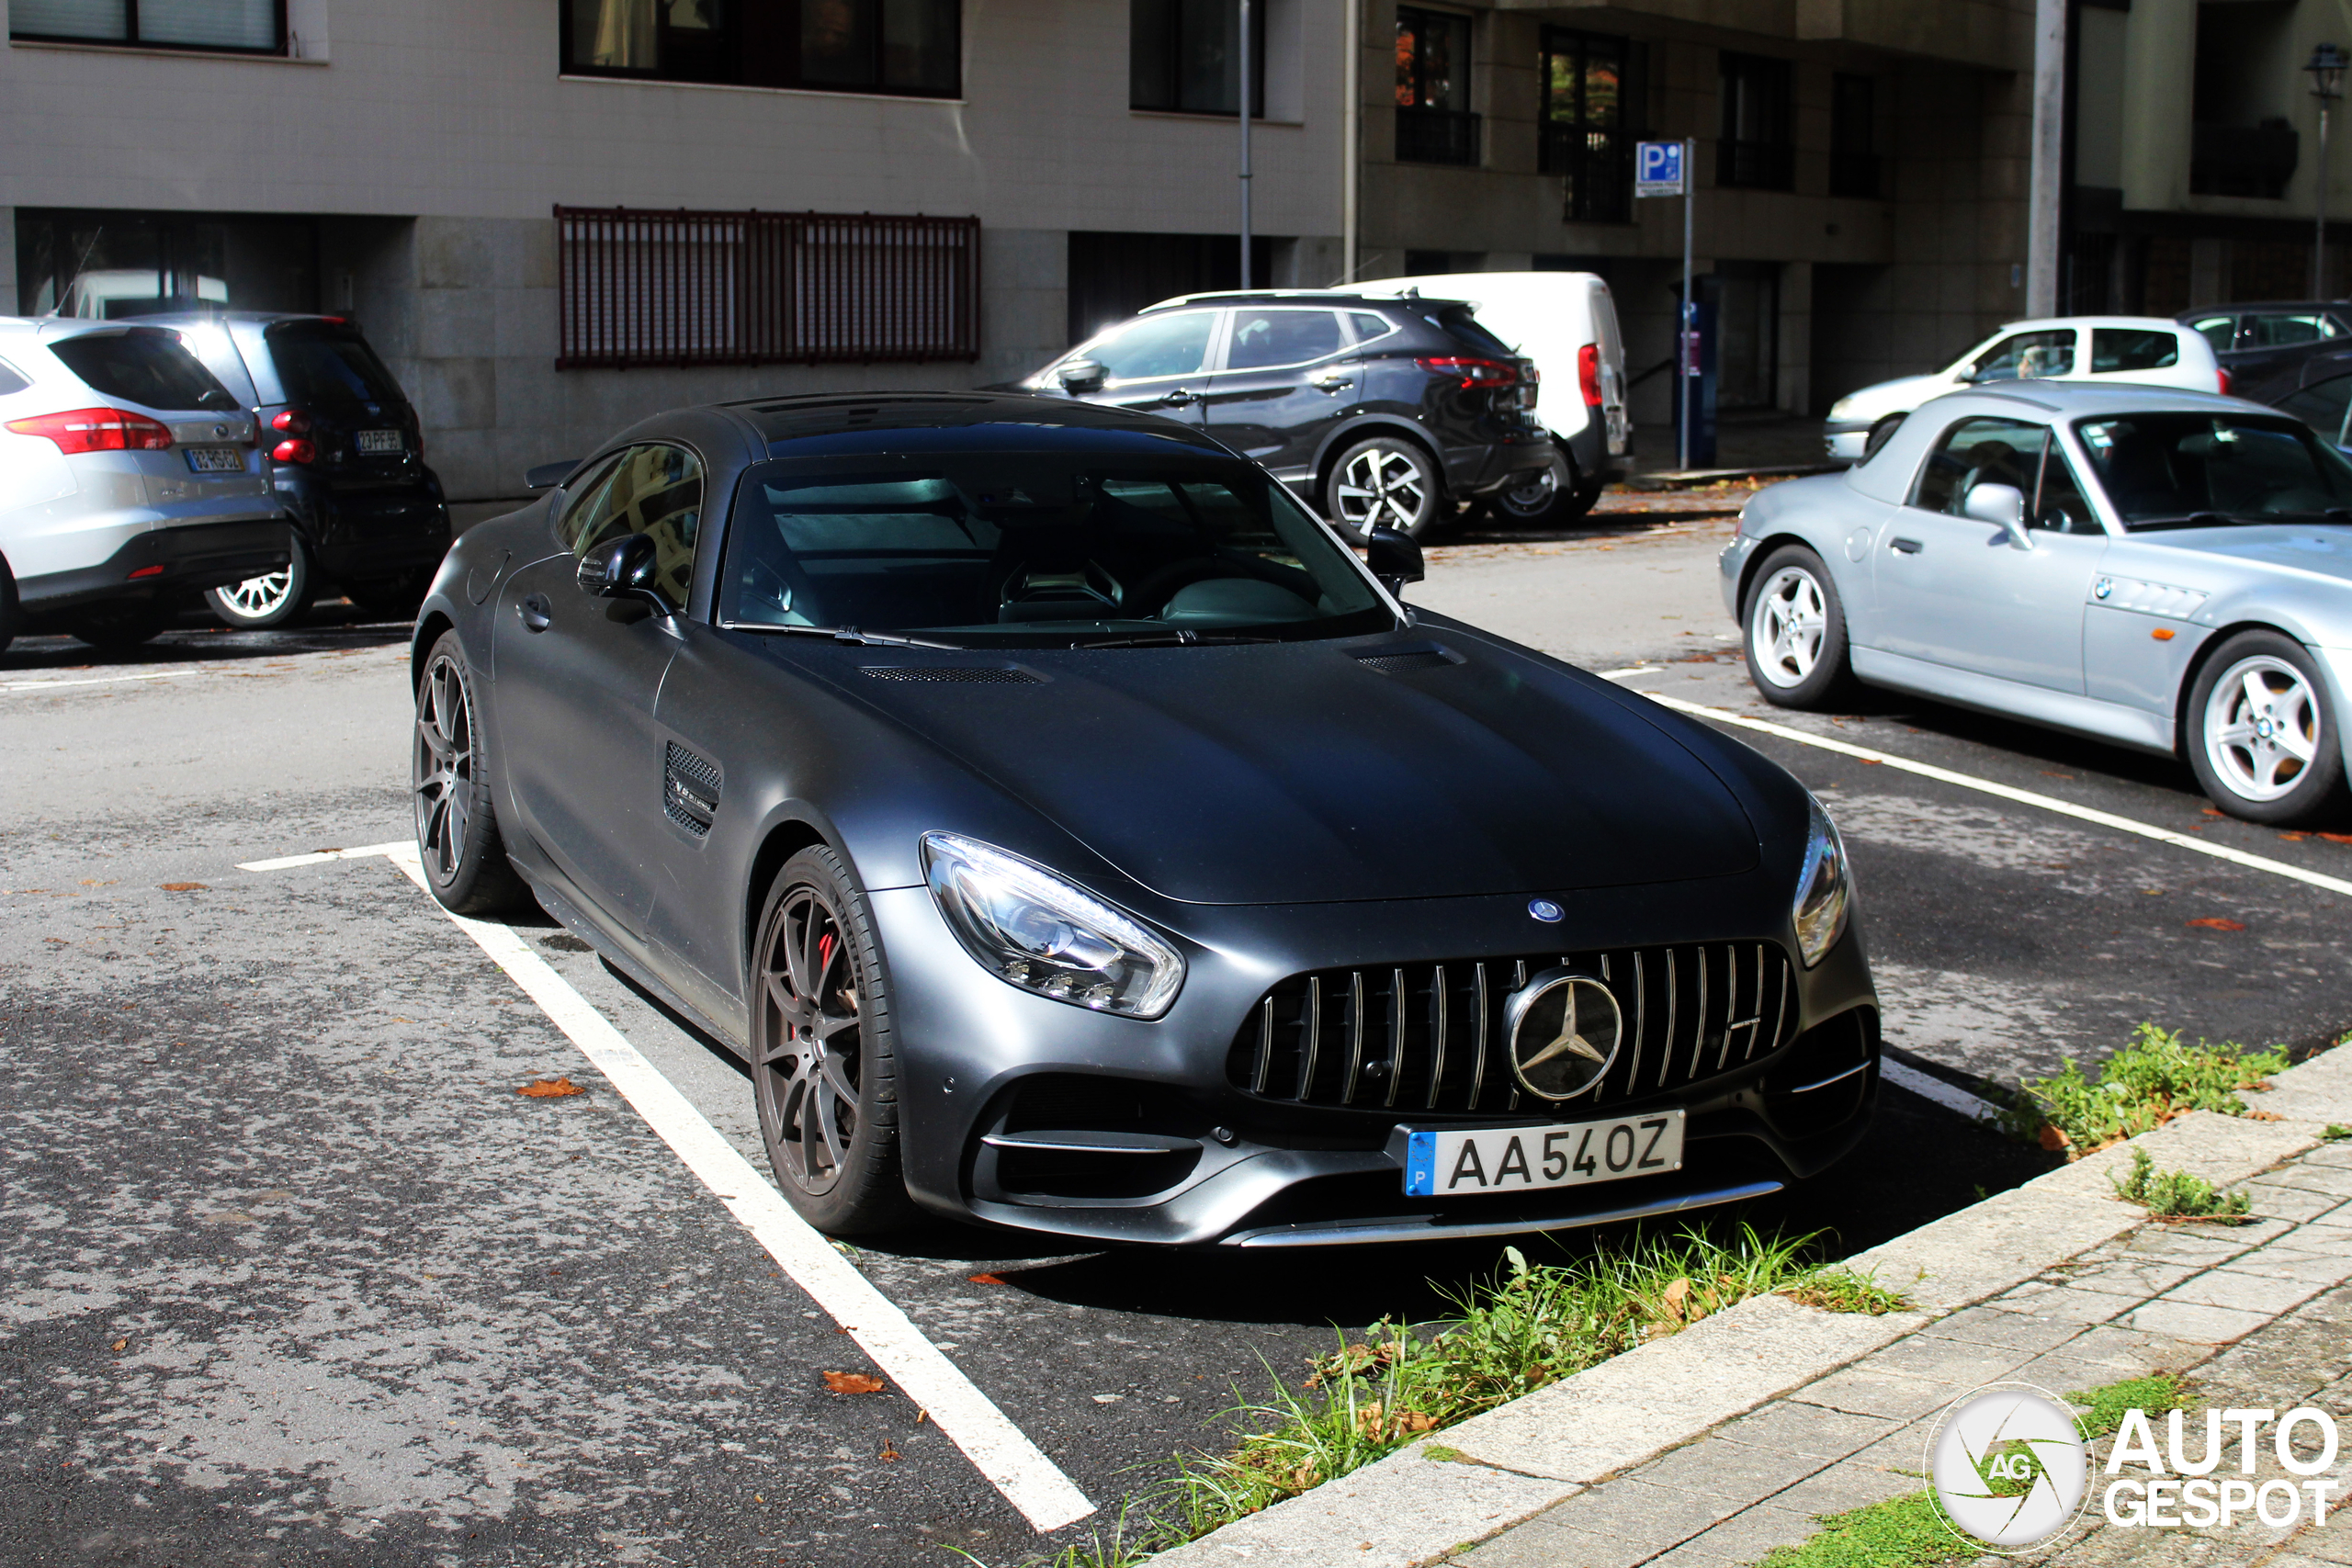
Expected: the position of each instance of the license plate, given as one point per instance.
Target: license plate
(217, 459)
(376, 443)
(1451, 1164)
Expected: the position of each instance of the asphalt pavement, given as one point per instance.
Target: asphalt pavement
(293, 1274)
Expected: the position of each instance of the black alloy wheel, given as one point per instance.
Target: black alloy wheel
(1540, 503)
(456, 824)
(127, 623)
(824, 1070)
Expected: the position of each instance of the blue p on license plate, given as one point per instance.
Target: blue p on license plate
(1455, 1163)
(217, 459)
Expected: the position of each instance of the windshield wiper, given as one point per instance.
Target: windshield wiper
(1178, 639)
(848, 633)
(2185, 520)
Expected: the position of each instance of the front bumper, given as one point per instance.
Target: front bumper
(1147, 1137)
(193, 556)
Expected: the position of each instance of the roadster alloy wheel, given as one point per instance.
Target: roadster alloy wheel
(2261, 738)
(1795, 630)
(1385, 483)
(456, 826)
(822, 1065)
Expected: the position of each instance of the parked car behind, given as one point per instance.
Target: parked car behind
(345, 452)
(126, 473)
(2166, 571)
(1565, 324)
(1383, 412)
(2128, 349)
(2263, 347)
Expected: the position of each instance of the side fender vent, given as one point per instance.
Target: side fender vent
(976, 675)
(689, 789)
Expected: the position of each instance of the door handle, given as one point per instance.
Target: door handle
(534, 609)
(1180, 397)
(1904, 547)
(1332, 381)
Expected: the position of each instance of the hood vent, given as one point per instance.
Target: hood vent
(973, 674)
(1409, 661)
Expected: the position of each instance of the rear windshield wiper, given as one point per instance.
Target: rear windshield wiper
(1178, 639)
(846, 634)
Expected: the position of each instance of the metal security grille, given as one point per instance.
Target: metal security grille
(645, 288)
(1429, 1037)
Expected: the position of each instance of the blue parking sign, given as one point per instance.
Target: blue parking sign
(1658, 168)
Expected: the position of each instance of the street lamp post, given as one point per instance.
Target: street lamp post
(2326, 69)
(1246, 279)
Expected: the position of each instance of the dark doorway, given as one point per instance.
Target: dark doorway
(1114, 275)
(116, 265)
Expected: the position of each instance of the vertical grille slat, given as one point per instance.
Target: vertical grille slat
(1434, 1031)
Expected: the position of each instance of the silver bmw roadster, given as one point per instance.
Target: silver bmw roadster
(2167, 570)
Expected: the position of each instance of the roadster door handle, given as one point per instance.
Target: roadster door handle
(1905, 547)
(534, 610)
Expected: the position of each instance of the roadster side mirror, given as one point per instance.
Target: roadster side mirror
(1393, 558)
(1081, 375)
(2003, 505)
(622, 569)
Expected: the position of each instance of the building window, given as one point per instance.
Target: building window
(1591, 112)
(1853, 137)
(120, 266)
(643, 288)
(232, 27)
(1185, 56)
(1756, 152)
(910, 47)
(1434, 124)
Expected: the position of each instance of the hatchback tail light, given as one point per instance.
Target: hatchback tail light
(1589, 373)
(290, 421)
(301, 449)
(1474, 373)
(97, 430)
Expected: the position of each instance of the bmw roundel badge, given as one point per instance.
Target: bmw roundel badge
(2105, 586)
(1543, 909)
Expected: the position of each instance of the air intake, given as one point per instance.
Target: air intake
(689, 789)
(1409, 661)
(969, 674)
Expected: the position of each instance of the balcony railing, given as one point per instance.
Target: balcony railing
(1756, 165)
(1597, 169)
(2241, 160)
(1437, 136)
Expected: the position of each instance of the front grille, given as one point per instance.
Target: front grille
(1429, 1037)
(978, 673)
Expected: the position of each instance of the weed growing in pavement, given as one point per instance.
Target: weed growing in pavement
(2142, 1086)
(1530, 1325)
(2333, 1131)
(2102, 1409)
(2178, 1194)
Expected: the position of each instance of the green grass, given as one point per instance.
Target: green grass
(2142, 1086)
(2102, 1409)
(2335, 1130)
(1841, 1289)
(2178, 1194)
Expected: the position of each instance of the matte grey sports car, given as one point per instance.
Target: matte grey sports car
(1070, 832)
(2169, 570)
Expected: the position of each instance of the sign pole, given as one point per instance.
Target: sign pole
(1685, 342)
(1246, 279)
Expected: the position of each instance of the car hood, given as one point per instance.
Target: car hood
(2322, 549)
(1899, 396)
(1300, 773)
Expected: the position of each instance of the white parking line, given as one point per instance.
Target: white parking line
(1948, 1096)
(1016, 1467)
(2006, 792)
(99, 679)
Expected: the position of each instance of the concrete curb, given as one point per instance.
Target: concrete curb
(1415, 1508)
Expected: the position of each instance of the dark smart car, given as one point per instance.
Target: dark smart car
(1071, 833)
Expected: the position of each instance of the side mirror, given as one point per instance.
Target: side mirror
(2003, 505)
(622, 569)
(1082, 376)
(547, 476)
(1393, 558)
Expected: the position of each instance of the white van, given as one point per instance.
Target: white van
(1566, 323)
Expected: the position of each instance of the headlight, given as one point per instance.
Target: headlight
(1824, 890)
(1842, 408)
(1030, 928)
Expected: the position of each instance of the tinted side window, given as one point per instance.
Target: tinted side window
(583, 498)
(654, 489)
(2220, 331)
(1263, 338)
(1466, 327)
(1975, 452)
(2132, 348)
(142, 365)
(2029, 356)
(1369, 326)
(2058, 504)
(9, 381)
(2324, 406)
(2284, 331)
(1157, 345)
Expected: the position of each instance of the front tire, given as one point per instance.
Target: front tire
(264, 603)
(1795, 631)
(1385, 483)
(825, 1064)
(11, 613)
(2261, 738)
(1541, 502)
(457, 821)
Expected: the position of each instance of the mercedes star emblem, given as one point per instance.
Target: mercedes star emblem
(1564, 1029)
(1543, 909)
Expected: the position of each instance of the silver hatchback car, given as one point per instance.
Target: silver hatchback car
(2164, 570)
(128, 473)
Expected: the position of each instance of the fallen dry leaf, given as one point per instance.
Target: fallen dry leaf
(986, 1280)
(851, 1382)
(2294, 838)
(890, 1452)
(183, 888)
(2212, 811)
(2215, 924)
(2053, 1138)
(549, 1088)
(2338, 838)
(119, 1345)
(922, 1416)
(2263, 1116)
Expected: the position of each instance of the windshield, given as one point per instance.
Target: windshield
(1038, 550)
(2176, 469)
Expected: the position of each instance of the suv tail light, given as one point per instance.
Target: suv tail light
(1474, 373)
(1589, 373)
(290, 421)
(97, 430)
